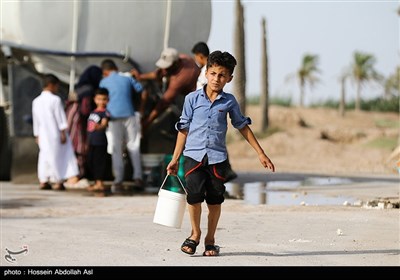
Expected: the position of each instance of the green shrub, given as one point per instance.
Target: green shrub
(253, 100)
(381, 105)
(377, 104)
(330, 103)
(281, 101)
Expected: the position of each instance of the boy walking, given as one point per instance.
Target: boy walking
(97, 140)
(201, 137)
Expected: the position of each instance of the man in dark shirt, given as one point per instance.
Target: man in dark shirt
(181, 72)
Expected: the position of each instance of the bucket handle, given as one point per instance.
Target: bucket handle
(179, 179)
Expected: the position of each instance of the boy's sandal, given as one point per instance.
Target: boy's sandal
(191, 244)
(211, 248)
(95, 188)
(45, 186)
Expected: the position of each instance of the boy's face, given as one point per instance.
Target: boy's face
(101, 100)
(53, 88)
(217, 77)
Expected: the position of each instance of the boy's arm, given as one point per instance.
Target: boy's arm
(143, 101)
(173, 165)
(249, 136)
(102, 125)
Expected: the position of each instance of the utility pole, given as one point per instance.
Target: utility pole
(264, 95)
(239, 47)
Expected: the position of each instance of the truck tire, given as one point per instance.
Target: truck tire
(5, 148)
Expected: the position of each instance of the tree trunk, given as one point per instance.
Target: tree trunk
(264, 79)
(240, 71)
(358, 97)
(342, 103)
(302, 86)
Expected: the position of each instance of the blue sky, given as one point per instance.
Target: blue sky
(333, 30)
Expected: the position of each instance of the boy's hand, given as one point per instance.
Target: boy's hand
(72, 96)
(172, 168)
(135, 73)
(63, 137)
(266, 162)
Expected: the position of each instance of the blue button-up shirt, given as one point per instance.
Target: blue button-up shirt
(207, 124)
(120, 94)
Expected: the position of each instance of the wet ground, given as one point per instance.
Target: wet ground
(274, 189)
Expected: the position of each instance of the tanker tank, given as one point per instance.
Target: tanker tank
(63, 38)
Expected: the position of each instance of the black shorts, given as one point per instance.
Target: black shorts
(205, 181)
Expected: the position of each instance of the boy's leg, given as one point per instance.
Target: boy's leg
(214, 197)
(195, 186)
(195, 217)
(213, 218)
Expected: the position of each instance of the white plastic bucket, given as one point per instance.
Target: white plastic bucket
(170, 207)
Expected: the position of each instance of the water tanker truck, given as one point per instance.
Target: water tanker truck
(64, 38)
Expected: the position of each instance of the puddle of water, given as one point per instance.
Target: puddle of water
(291, 198)
(284, 193)
(324, 181)
(284, 184)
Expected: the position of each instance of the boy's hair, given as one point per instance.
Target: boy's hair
(50, 79)
(108, 64)
(202, 48)
(101, 91)
(223, 59)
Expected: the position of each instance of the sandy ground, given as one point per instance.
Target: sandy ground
(75, 228)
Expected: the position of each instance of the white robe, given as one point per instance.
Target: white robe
(202, 80)
(56, 161)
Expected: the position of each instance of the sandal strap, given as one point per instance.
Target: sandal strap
(192, 244)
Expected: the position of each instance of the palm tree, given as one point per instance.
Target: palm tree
(306, 74)
(344, 76)
(362, 72)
